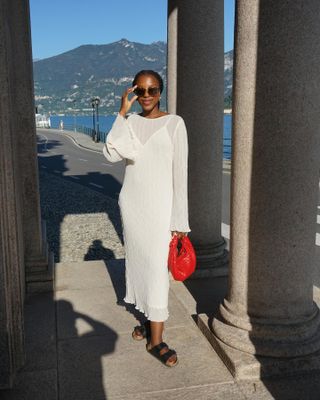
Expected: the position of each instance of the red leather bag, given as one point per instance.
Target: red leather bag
(181, 259)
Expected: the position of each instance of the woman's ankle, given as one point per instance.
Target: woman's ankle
(155, 342)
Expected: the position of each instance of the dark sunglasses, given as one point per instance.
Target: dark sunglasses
(152, 91)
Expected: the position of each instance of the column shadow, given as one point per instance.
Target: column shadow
(80, 371)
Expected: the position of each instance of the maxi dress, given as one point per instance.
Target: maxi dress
(153, 202)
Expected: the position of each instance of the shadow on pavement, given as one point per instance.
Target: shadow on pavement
(60, 366)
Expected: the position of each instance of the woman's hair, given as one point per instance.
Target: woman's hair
(155, 74)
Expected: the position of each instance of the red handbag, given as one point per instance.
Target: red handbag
(182, 259)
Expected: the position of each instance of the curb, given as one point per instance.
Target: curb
(81, 145)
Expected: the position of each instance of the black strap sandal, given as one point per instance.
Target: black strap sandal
(141, 332)
(156, 352)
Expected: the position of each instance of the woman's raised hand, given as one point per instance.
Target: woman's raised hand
(125, 102)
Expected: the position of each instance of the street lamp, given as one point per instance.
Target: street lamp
(93, 104)
(97, 102)
(74, 115)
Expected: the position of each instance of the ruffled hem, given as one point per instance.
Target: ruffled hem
(152, 313)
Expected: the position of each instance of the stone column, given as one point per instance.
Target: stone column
(38, 261)
(11, 235)
(268, 323)
(196, 92)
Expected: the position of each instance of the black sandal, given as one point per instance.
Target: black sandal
(156, 352)
(141, 332)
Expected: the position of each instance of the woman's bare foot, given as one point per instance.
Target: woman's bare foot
(141, 332)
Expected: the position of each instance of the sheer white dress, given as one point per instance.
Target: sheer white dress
(153, 202)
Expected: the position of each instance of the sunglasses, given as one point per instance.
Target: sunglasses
(152, 91)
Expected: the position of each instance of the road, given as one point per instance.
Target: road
(59, 155)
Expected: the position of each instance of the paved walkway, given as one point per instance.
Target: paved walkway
(81, 140)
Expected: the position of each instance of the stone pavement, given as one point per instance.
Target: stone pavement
(78, 338)
(79, 345)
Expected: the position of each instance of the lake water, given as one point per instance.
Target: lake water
(106, 121)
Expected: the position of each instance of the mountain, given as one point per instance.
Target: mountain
(228, 74)
(68, 81)
(93, 70)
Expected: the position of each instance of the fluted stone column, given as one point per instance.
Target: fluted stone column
(39, 276)
(268, 323)
(12, 277)
(196, 92)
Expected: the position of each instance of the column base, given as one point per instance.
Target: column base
(268, 337)
(212, 260)
(245, 366)
(39, 270)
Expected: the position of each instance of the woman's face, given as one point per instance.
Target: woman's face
(148, 102)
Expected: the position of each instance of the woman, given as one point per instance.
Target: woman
(153, 202)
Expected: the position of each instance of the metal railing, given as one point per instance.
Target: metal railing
(227, 148)
(102, 137)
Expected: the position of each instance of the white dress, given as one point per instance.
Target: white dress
(153, 202)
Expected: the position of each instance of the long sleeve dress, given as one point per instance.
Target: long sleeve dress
(153, 202)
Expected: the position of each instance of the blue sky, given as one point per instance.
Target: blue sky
(61, 25)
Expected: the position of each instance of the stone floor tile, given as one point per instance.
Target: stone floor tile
(40, 318)
(88, 274)
(40, 356)
(100, 303)
(299, 387)
(223, 391)
(36, 385)
(116, 365)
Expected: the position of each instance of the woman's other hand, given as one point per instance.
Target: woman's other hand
(179, 234)
(125, 102)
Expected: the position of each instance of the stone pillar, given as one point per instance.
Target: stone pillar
(12, 278)
(268, 324)
(196, 92)
(38, 261)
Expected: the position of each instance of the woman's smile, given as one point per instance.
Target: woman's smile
(146, 102)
